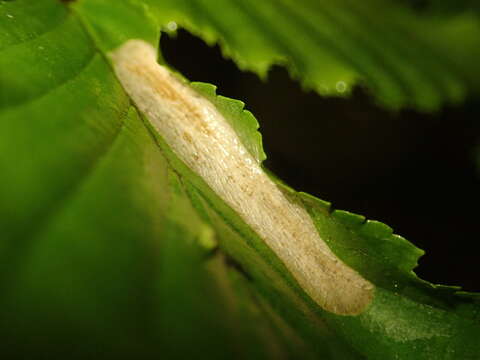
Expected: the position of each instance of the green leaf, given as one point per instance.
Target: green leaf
(404, 58)
(109, 240)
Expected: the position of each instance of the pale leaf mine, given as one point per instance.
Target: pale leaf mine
(204, 140)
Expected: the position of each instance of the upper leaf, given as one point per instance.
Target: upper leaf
(404, 58)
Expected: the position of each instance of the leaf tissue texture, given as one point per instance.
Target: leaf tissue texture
(203, 139)
(136, 219)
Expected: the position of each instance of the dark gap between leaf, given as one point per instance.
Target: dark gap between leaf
(231, 262)
(413, 171)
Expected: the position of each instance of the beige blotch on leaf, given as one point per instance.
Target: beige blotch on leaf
(204, 140)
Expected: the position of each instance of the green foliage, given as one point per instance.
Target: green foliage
(405, 59)
(112, 247)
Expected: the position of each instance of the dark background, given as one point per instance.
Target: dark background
(415, 172)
